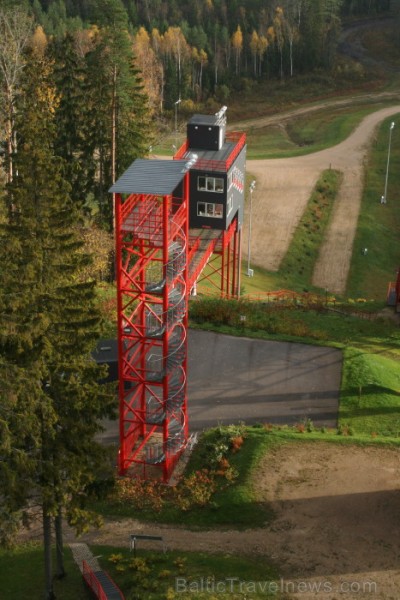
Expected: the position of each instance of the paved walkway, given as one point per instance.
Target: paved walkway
(80, 553)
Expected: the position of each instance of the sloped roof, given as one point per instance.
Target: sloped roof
(158, 177)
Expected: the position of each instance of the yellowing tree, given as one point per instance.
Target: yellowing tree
(199, 58)
(39, 41)
(237, 45)
(151, 69)
(176, 46)
(279, 29)
(254, 41)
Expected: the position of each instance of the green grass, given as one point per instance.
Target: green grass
(379, 225)
(338, 325)
(22, 575)
(232, 505)
(370, 395)
(151, 575)
(308, 133)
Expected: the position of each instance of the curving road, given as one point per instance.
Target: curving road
(284, 185)
(283, 189)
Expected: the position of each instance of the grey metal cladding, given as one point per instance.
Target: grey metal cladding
(157, 177)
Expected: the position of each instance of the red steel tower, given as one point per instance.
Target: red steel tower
(158, 263)
(151, 206)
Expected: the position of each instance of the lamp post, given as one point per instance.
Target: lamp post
(250, 272)
(176, 121)
(388, 159)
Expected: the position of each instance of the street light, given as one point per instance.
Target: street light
(388, 159)
(176, 121)
(250, 272)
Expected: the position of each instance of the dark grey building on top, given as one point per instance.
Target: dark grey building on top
(217, 178)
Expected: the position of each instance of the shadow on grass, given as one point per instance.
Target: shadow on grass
(370, 389)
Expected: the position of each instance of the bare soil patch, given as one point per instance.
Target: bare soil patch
(337, 514)
(335, 532)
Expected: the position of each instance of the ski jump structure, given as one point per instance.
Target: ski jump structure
(173, 218)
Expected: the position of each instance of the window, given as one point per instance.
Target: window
(208, 209)
(210, 184)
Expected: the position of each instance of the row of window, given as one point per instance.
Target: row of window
(210, 184)
(216, 184)
(207, 209)
(216, 211)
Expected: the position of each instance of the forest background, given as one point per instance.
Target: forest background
(124, 68)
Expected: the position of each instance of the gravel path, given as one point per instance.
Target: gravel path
(283, 189)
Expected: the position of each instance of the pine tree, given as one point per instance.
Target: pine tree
(49, 325)
(122, 129)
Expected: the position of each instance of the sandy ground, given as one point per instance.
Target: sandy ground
(283, 189)
(335, 532)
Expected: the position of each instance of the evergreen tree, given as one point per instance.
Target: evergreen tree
(73, 119)
(122, 129)
(49, 325)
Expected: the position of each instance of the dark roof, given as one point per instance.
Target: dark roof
(211, 157)
(158, 177)
(204, 120)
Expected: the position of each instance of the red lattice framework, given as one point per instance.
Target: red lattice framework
(158, 263)
(152, 250)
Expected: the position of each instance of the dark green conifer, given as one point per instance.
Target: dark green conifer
(49, 325)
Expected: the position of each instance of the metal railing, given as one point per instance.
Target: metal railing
(93, 582)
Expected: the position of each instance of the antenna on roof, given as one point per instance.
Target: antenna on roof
(221, 112)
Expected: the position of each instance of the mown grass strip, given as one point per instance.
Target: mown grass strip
(379, 224)
(308, 133)
(298, 265)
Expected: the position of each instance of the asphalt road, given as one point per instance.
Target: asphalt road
(233, 379)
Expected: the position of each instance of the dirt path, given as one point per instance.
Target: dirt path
(283, 189)
(337, 513)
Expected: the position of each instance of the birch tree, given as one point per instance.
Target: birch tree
(237, 45)
(16, 28)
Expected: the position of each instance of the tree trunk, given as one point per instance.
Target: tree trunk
(9, 127)
(48, 593)
(60, 572)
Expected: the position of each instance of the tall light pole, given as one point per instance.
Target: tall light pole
(388, 159)
(176, 121)
(250, 272)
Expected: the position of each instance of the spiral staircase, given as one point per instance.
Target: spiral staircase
(152, 259)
